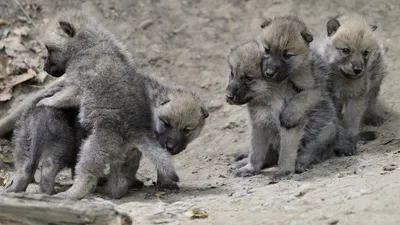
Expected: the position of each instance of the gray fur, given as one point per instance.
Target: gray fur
(122, 176)
(8, 122)
(307, 119)
(264, 98)
(48, 136)
(356, 63)
(119, 105)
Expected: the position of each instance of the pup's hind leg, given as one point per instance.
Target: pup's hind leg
(24, 163)
(22, 178)
(123, 176)
(318, 149)
(51, 166)
(101, 147)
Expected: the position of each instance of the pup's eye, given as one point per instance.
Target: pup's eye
(231, 75)
(365, 53)
(287, 55)
(165, 123)
(267, 51)
(187, 131)
(346, 51)
(248, 79)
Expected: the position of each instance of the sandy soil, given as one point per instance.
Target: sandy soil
(186, 42)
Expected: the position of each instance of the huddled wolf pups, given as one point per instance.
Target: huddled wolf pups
(357, 66)
(291, 97)
(120, 106)
(47, 136)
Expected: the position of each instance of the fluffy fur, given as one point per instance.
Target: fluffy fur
(119, 105)
(307, 116)
(47, 136)
(356, 63)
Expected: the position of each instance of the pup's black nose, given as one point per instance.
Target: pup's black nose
(270, 73)
(229, 97)
(357, 70)
(171, 145)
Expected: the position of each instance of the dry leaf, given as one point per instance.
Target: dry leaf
(4, 68)
(3, 22)
(14, 43)
(23, 77)
(196, 213)
(5, 159)
(5, 94)
(21, 31)
(7, 84)
(5, 180)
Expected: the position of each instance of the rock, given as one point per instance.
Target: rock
(146, 24)
(214, 106)
(231, 125)
(41, 77)
(21, 31)
(390, 167)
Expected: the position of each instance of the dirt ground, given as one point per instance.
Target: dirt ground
(186, 42)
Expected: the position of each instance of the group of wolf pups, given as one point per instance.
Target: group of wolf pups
(306, 101)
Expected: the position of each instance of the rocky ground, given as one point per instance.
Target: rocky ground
(186, 42)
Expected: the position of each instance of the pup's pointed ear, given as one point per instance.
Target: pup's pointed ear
(205, 113)
(68, 28)
(373, 27)
(307, 36)
(266, 23)
(332, 26)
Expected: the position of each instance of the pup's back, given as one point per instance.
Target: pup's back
(45, 135)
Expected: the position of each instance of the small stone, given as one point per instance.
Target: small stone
(390, 167)
(214, 106)
(230, 125)
(179, 29)
(41, 77)
(146, 24)
(333, 222)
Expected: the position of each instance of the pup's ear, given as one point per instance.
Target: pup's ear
(204, 112)
(373, 27)
(68, 28)
(266, 23)
(307, 36)
(332, 26)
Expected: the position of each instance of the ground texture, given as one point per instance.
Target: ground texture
(186, 42)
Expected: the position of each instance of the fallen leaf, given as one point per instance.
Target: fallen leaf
(4, 159)
(21, 31)
(4, 22)
(7, 84)
(155, 194)
(4, 68)
(5, 94)
(14, 43)
(5, 180)
(196, 213)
